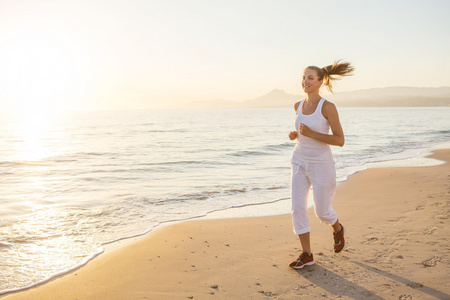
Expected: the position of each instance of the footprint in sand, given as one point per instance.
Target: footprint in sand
(430, 230)
(420, 207)
(415, 285)
(442, 217)
(369, 240)
(431, 262)
(385, 286)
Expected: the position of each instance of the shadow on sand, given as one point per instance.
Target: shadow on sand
(412, 284)
(339, 286)
(334, 283)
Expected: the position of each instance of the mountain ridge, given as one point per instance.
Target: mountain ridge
(395, 96)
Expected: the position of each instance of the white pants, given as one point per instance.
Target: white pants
(323, 179)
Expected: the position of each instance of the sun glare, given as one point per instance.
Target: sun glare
(32, 128)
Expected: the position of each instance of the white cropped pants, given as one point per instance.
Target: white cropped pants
(322, 176)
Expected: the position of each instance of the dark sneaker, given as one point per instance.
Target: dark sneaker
(303, 260)
(339, 240)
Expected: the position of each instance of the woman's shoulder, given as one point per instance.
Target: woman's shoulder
(328, 108)
(296, 105)
(328, 105)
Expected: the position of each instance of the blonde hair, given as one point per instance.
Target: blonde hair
(337, 68)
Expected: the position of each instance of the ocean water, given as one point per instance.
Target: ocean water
(74, 182)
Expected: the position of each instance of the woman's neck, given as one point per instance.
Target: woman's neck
(313, 97)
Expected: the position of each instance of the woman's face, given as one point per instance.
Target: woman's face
(310, 81)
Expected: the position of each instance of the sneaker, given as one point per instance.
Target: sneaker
(303, 260)
(339, 240)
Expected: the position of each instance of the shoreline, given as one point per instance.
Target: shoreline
(273, 208)
(131, 242)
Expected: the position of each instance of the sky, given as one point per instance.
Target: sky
(146, 54)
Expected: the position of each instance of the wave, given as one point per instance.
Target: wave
(264, 150)
(91, 154)
(204, 195)
(245, 153)
(5, 244)
(276, 147)
(22, 163)
(55, 275)
(45, 161)
(175, 162)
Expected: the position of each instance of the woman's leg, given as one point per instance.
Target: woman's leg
(337, 226)
(323, 180)
(299, 194)
(300, 186)
(305, 242)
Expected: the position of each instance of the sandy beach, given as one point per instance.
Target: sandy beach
(396, 223)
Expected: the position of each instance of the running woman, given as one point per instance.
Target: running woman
(312, 161)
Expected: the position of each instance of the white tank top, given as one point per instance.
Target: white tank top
(307, 149)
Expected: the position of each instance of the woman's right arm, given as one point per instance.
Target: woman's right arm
(293, 134)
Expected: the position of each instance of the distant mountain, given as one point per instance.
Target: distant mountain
(377, 97)
(275, 98)
(393, 97)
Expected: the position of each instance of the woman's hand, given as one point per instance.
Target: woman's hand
(304, 130)
(292, 135)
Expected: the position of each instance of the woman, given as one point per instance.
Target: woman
(312, 161)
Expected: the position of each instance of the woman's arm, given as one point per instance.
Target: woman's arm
(337, 137)
(293, 134)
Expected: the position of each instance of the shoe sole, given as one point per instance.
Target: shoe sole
(300, 267)
(345, 244)
(341, 249)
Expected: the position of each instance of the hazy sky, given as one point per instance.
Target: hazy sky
(77, 54)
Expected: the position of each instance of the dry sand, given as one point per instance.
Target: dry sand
(396, 223)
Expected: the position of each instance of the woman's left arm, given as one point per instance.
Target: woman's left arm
(337, 137)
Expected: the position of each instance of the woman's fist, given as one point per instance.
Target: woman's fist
(292, 135)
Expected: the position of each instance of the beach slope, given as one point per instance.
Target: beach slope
(396, 223)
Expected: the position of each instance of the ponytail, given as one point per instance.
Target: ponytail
(326, 73)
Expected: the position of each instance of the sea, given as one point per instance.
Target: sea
(74, 182)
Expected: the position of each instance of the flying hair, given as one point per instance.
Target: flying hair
(328, 73)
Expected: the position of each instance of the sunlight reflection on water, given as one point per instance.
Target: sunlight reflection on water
(32, 129)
